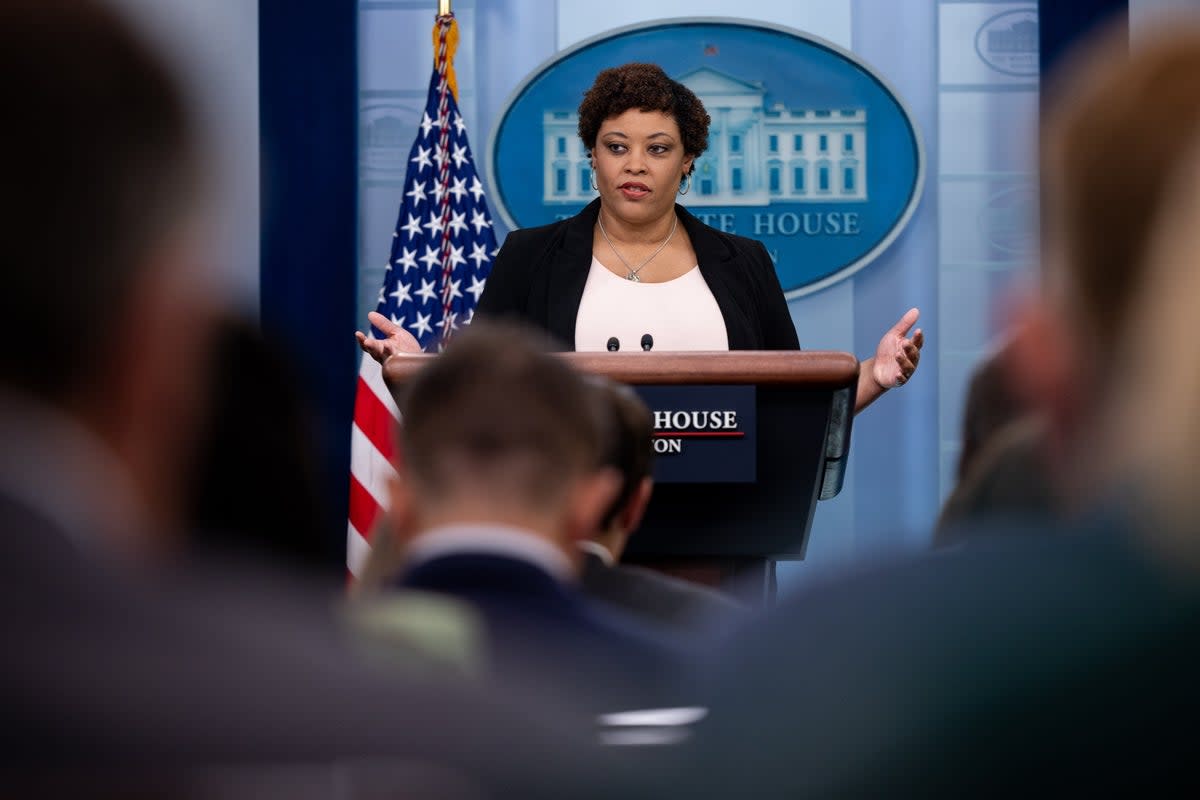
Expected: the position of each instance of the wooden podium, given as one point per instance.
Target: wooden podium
(748, 442)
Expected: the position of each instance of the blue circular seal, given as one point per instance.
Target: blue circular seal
(1008, 43)
(810, 151)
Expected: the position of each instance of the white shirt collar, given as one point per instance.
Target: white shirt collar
(598, 550)
(500, 540)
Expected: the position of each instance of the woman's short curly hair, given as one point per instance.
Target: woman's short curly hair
(647, 88)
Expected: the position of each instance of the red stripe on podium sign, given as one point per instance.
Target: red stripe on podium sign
(698, 434)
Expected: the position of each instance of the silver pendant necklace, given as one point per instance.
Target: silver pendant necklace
(633, 271)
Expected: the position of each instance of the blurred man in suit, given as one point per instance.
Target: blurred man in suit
(1027, 663)
(116, 671)
(669, 601)
(500, 480)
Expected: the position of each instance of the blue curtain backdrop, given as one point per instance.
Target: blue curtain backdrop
(308, 82)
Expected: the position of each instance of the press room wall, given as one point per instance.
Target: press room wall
(237, 54)
(901, 446)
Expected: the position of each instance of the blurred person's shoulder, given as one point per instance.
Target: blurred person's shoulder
(660, 598)
(1007, 477)
(222, 662)
(245, 709)
(1016, 580)
(960, 663)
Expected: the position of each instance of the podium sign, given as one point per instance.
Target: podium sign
(769, 516)
(703, 434)
(795, 410)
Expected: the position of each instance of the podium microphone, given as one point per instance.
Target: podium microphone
(647, 341)
(614, 344)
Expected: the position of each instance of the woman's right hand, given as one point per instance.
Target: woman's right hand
(396, 341)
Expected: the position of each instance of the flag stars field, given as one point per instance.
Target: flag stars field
(413, 226)
(417, 193)
(407, 259)
(431, 258)
(422, 327)
(477, 190)
(421, 159)
(402, 293)
(478, 255)
(426, 292)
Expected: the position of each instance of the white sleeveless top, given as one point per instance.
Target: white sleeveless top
(680, 314)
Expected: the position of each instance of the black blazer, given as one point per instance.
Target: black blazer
(539, 275)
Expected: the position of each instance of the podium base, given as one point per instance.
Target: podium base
(749, 580)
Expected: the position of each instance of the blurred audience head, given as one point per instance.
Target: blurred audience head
(496, 430)
(1151, 435)
(1116, 126)
(254, 485)
(1108, 155)
(104, 312)
(629, 451)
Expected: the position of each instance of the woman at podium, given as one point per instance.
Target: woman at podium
(636, 270)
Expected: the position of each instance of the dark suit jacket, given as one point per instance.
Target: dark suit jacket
(546, 636)
(659, 598)
(233, 679)
(539, 276)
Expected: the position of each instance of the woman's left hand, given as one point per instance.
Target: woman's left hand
(897, 356)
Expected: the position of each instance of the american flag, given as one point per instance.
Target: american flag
(442, 252)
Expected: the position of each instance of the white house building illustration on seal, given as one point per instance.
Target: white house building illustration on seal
(756, 155)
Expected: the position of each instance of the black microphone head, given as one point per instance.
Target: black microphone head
(647, 341)
(614, 344)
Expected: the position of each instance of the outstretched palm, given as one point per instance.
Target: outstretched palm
(897, 356)
(395, 341)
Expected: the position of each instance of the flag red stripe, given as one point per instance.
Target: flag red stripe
(363, 508)
(374, 419)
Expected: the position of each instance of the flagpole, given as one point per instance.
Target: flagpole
(444, 60)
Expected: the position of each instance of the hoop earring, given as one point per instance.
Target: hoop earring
(688, 179)
(593, 173)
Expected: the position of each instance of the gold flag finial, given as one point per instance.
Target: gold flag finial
(445, 43)
(444, 8)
